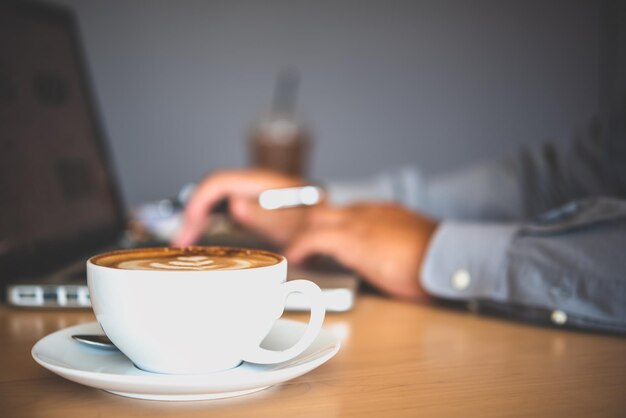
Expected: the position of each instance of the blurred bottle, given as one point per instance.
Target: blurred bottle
(280, 142)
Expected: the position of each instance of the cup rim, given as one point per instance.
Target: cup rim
(281, 259)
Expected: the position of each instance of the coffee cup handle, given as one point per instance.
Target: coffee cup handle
(314, 294)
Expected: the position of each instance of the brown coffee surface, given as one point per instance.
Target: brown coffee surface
(187, 259)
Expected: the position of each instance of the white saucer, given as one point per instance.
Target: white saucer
(115, 373)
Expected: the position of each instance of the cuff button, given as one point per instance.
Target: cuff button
(461, 280)
(558, 317)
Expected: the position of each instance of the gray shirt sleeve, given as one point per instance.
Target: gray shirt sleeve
(515, 188)
(568, 267)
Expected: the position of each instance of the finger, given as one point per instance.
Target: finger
(242, 183)
(189, 234)
(244, 209)
(210, 191)
(196, 215)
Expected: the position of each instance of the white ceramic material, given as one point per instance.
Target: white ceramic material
(186, 322)
(114, 372)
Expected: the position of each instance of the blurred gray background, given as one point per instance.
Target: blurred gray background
(438, 84)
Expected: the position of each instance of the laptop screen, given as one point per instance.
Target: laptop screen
(57, 191)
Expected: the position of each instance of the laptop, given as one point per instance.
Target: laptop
(60, 202)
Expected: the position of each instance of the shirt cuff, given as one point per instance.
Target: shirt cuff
(468, 261)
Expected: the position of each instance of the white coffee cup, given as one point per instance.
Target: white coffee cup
(190, 322)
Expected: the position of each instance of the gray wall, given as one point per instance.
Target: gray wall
(435, 83)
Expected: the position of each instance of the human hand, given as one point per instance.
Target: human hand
(384, 243)
(242, 188)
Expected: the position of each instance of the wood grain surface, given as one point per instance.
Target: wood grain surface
(397, 360)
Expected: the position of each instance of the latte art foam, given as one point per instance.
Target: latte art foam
(187, 259)
(196, 263)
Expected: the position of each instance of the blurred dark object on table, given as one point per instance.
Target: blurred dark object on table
(281, 142)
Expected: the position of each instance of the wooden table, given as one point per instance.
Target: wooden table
(397, 359)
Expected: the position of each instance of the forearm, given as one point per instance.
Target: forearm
(481, 192)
